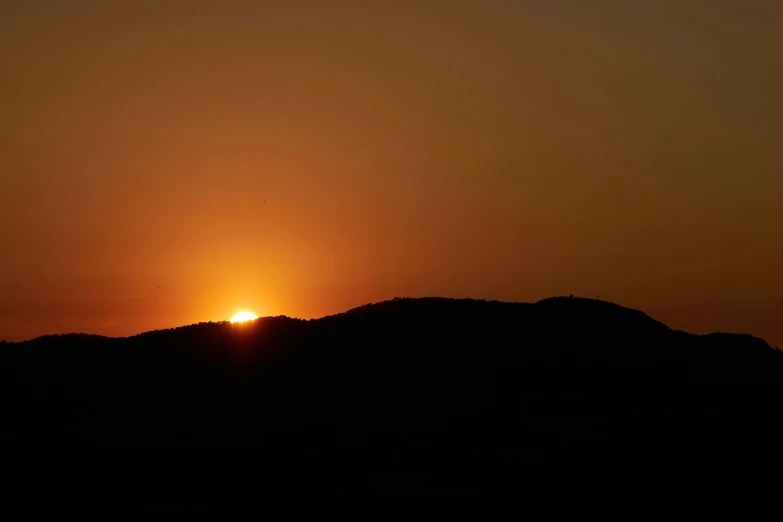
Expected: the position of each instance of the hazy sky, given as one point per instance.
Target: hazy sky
(506, 150)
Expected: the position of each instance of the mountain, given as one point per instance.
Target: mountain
(404, 394)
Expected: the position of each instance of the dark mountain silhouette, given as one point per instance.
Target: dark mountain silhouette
(405, 395)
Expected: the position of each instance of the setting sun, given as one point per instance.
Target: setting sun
(241, 317)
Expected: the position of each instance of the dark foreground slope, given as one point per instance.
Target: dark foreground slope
(410, 393)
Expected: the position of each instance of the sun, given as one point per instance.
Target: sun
(241, 317)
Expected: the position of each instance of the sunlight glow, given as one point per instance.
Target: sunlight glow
(241, 317)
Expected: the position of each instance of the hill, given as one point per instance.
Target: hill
(409, 393)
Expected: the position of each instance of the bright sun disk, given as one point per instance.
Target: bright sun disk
(241, 317)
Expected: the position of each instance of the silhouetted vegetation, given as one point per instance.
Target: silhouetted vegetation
(454, 391)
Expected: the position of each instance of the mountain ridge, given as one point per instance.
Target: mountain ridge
(413, 394)
(358, 310)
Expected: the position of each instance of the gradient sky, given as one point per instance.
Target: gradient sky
(507, 150)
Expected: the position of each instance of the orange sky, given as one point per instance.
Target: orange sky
(506, 150)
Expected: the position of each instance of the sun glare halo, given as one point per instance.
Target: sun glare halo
(241, 317)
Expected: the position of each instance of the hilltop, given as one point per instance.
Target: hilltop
(399, 388)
